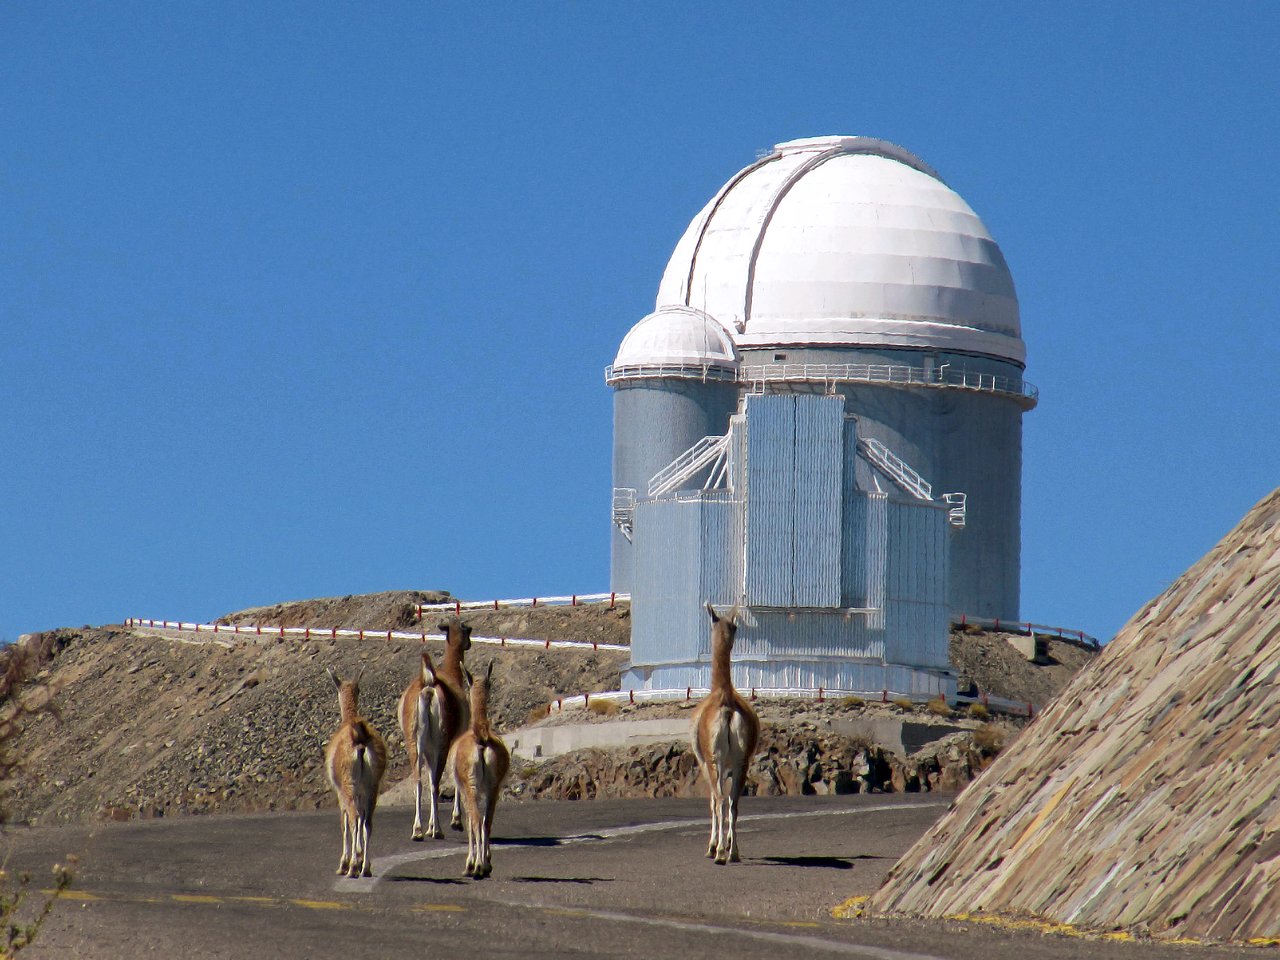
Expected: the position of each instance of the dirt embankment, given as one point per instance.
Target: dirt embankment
(155, 724)
(990, 663)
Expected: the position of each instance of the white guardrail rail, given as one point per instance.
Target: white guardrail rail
(570, 600)
(332, 633)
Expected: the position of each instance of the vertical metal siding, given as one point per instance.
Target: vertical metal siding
(816, 520)
(721, 570)
(666, 609)
(770, 499)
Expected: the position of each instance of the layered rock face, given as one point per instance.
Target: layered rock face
(1144, 798)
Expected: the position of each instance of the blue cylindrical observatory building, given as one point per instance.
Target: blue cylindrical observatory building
(832, 381)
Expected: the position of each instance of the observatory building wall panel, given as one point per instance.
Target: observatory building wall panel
(653, 423)
(817, 520)
(688, 552)
(665, 626)
(771, 443)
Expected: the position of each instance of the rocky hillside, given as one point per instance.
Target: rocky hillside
(157, 724)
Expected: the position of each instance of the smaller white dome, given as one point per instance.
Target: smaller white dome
(676, 336)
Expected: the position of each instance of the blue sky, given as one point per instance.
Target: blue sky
(314, 299)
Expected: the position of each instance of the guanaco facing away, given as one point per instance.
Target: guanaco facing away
(355, 760)
(725, 733)
(480, 764)
(433, 711)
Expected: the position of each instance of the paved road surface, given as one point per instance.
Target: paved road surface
(592, 879)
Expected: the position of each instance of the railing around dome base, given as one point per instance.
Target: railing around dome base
(891, 374)
(756, 376)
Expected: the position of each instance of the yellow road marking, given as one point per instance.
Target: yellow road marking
(264, 901)
(71, 894)
(193, 898)
(563, 912)
(440, 908)
(798, 923)
(321, 904)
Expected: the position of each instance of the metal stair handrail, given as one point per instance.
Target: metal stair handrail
(896, 467)
(687, 464)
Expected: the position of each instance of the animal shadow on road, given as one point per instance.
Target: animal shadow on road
(831, 863)
(585, 881)
(543, 841)
(400, 878)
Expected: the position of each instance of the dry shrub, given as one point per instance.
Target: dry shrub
(22, 698)
(605, 708)
(990, 738)
(979, 711)
(903, 703)
(850, 703)
(938, 707)
(538, 713)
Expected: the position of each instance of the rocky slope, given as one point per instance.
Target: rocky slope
(1143, 799)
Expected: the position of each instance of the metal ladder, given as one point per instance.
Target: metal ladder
(624, 509)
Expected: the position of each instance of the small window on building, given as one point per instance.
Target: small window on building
(779, 356)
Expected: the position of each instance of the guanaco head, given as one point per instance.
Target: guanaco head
(479, 690)
(723, 628)
(456, 634)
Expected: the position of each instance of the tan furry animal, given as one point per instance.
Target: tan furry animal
(725, 733)
(355, 760)
(480, 764)
(433, 711)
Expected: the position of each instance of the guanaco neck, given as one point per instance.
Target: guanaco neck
(452, 665)
(721, 675)
(480, 710)
(348, 695)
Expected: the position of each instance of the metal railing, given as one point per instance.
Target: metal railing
(756, 376)
(891, 374)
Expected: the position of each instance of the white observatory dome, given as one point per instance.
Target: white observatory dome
(845, 241)
(676, 336)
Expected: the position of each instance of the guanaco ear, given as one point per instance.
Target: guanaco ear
(334, 677)
(466, 636)
(488, 674)
(428, 669)
(356, 681)
(470, 679)
(443, 627)
(733, 616)
(712, 610)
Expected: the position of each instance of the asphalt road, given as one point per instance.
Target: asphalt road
(590, 879)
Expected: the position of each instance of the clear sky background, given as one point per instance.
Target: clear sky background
(310, 299)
